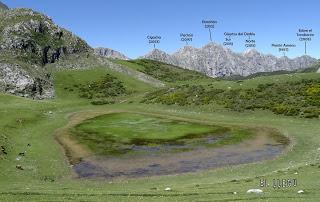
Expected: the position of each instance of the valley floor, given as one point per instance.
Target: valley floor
(47, 177)
(42, 172)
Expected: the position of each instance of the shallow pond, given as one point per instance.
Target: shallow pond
(259, 148)
(166, 146)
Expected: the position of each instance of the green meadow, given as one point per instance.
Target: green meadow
(43, 172)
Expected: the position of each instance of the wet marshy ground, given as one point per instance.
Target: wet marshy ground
(140, 157)
(261, 147)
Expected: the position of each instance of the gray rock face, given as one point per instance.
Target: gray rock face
(217, 61)
(109, 53)
(29, 41)
(34, 38)
(161, 56)
(15, 80)
(3, 6)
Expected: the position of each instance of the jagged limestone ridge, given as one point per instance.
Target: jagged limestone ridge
(109, 53)
(217, 61)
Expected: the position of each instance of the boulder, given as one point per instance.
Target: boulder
(256, 191)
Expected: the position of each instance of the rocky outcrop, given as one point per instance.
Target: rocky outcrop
(161, 56)
(29, 41)
(34, 38)
(109, 53)
(15, 80)
(3, 6)
(217, 61)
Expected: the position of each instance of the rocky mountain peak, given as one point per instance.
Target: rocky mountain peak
(159, 55)
(109, 53)
(3, 6)
(217, 61)
(28, 41)
(214, 49)
(251, 52)
(187, 48)
(34, 38)
(211, 45)
(156, 51)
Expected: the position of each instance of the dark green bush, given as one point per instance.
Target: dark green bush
(301, 98)
(107, 86)
(102, 102)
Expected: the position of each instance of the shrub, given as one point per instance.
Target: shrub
(289, 98)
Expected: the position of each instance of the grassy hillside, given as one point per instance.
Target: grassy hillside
(68, 82)
(163, 72)
(102, 108)
(295, 98)
(43, 173)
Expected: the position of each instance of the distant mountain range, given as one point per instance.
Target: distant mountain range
(109, 53)
(217, 61)
(31, 43)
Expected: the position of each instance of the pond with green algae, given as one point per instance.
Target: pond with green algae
(137, 145)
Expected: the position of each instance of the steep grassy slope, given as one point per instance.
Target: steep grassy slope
(164, 72)
(67, 83)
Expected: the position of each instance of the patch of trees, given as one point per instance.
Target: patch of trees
(101, 90)
(300, 98)
(107, 86)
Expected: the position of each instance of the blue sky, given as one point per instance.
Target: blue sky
(123, 25)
